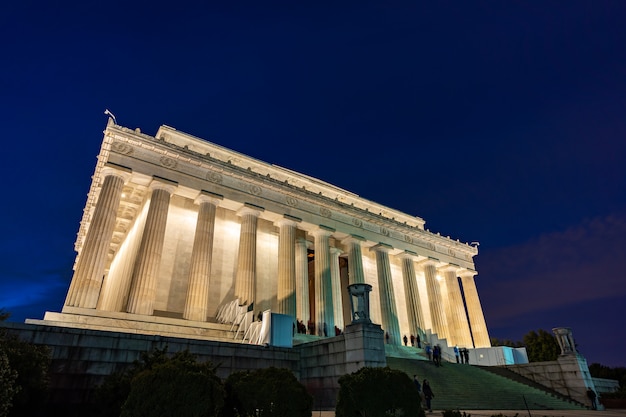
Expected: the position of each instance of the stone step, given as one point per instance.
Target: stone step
(462, 386)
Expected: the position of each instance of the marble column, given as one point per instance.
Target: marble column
(324, 320)
(458, 325)
(144, 281)
(286, 293)
(89, 272)
(413, 302)
(302, 281)
(355, 259)
(335, 277)
(245, 279)
(197, 302)
(388, 310)
(474, 310)
(435, 304)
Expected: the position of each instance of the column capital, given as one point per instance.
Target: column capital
(322, 231)
(208, 197)
(159, 183)
(334, 250)
(449, 268)
(467, 273)
(285, 222)
(381, 247)
(250, 209)
(303, 240)
(353, 239)
(407, 254)
(430, 261)
(116, 170)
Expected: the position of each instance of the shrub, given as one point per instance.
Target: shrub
(270, 392)
(378, 392)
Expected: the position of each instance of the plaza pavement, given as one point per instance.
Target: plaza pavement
(519, 413)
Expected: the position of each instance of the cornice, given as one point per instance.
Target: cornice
(260, 175)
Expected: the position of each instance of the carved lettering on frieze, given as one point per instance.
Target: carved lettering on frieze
(325, 212)
(168, 162)
(384, 231)
(408, 239)
(123, 148)
(357, 222)
(292, 201)
(214, 177)
(451, 252)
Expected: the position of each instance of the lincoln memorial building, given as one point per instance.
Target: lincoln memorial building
(178, 233)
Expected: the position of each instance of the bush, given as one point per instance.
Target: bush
(270, 392)
(29, 364)
(160, 385)
(378, 392)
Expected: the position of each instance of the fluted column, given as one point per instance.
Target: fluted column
(324, 312)
(458, 325)
(197, 302)
(335, 277)
(474, 310)
(286, 293)
(437, 314)
(87, 280)
(355, 259)
(245, 281)
(413, 302)
(144, 282)
(302, 281)
(385, 291)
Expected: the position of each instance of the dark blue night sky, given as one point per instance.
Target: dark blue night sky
(502, 122)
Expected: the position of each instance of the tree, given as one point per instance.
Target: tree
(269, 392)
(378, 392)
(160, 385)
(541, 346)
(29, 363)
(8, 388)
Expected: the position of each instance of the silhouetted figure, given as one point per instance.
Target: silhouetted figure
(429, 352)
(406, 340)
(417, 384)
(437, 355)
(412, 340)
(466, 354)
(592, 397)
(428, 394)
(419, 342)
(387, 337)
(461, 355)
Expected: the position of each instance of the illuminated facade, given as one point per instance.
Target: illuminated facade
(176, 227)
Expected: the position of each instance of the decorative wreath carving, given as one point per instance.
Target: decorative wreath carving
(254, 189)
(123, 148)
(168, 162)
(214, 177)
(357, 222)
(325, 212)
(292, 201)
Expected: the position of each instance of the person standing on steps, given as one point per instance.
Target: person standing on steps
(592, 397)
(405, 339)
(428, 394)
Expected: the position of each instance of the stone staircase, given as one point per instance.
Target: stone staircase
(468, 387)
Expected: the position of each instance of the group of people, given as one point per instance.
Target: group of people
(461, 355)
(434, 354)
(426, 392)
(413, 340)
